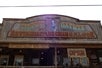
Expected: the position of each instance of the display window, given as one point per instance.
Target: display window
(4, 60)
(18, 60)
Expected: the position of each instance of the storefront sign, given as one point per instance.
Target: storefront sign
(76, 52)
(51, 29)
(28, 46)
(52, 34)
(74, 27)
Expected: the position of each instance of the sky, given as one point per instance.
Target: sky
(80, 12)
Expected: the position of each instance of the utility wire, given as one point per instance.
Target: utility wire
(53, 5)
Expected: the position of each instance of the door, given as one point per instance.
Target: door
(47, 57)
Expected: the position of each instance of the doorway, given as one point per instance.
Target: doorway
(39, 57)
(47, 57)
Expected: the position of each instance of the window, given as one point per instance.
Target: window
(75, 61)
(4, 60)
(84, 61)
(67, 61)
(18, 60)
(35, 61)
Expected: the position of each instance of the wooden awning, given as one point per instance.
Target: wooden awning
(12, 45)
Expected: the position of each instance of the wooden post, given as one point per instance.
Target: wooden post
(55, 57)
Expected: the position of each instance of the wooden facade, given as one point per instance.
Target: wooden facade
(50, 41)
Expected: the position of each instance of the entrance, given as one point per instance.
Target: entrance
(47, 57)
(72, 57)
(27, 57)
(39, 57)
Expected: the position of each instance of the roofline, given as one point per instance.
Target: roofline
(22, 19)
(94, 21)
(13, 19)
(52, 15)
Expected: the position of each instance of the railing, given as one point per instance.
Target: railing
(98, 66)
(30, 67)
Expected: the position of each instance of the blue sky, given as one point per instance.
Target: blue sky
(82, 12)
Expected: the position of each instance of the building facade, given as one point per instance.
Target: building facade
(50, 41)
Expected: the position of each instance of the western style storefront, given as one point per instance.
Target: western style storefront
(50, 41)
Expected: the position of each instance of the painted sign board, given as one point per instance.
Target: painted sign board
(51, 28)
(76, 52)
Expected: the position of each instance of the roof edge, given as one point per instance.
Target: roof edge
(52, 15)
(13, 19)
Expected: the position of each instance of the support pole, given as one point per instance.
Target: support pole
(55, 57)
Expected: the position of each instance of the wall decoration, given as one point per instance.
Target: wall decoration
(76, 52)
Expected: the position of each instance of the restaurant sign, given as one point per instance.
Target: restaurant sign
(52, 34)
(51, 29)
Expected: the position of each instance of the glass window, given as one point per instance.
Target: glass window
(84, 61)
(18, 60)
(75, 61)
(67, 61)
(62, 57)
(100, 59)
(4, 60)
(35, 61)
